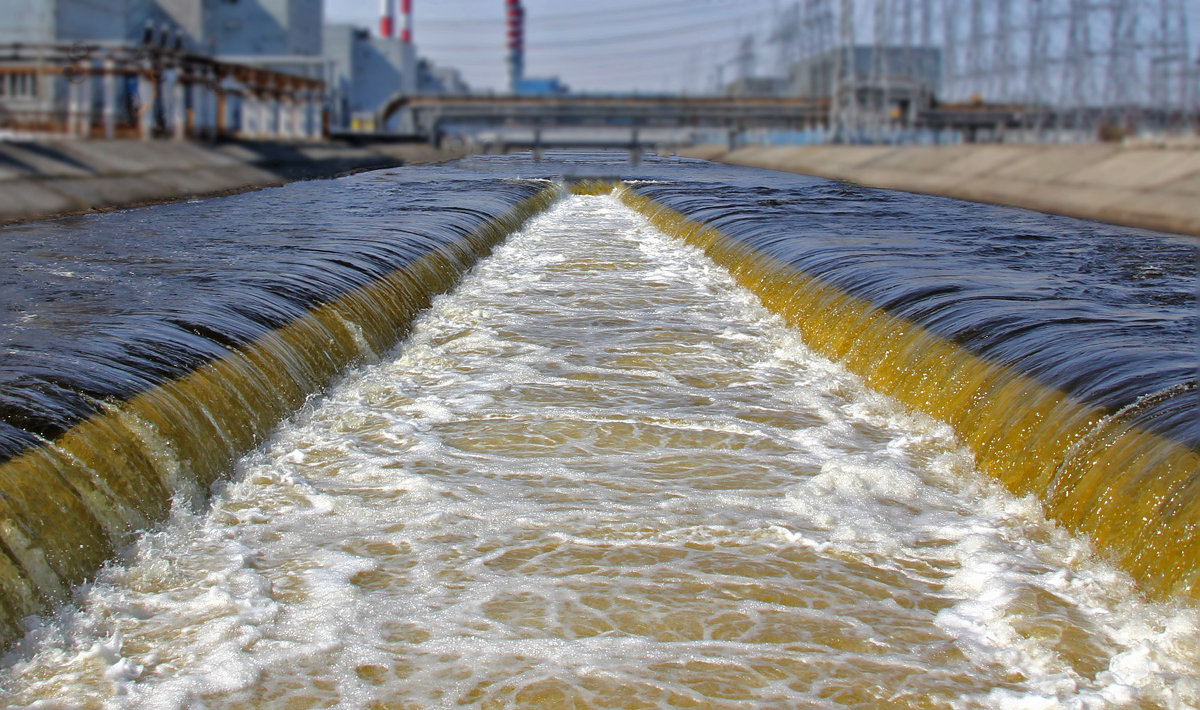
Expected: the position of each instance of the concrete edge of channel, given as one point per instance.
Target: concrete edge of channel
(1145, 187)
(45, 179)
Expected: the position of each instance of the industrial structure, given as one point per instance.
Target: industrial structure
(202, 68)
(518, 83)
(162, 67)
(1071, 69)
(865, 70)
(180, 68)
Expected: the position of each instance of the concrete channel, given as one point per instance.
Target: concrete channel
(1149, 186)
(49, 178)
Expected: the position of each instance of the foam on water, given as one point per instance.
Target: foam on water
(599, 473)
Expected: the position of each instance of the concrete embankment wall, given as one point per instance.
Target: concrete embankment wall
(45, 178)
(1152, 187)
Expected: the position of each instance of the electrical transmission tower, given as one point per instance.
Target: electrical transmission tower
(789, 38)
(844, 114)
(879, 84)
(1077, 69)
(1172, 71)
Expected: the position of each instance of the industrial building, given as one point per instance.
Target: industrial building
(367, 70)
(162, 67)
(226, 28)
(202, 68)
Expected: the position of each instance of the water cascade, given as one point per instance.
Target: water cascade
(696, 437)
(1104, 455)
(95, 445)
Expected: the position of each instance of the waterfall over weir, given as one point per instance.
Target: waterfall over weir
(106, 416)
(598, 472)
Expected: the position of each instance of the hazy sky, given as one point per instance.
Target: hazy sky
(662, 45)
(605, 45)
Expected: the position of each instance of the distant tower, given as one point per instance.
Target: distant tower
(843, 107)
(406, 21)
(515, 22)
(386, 20)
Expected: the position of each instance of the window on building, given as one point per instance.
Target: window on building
(19, 85)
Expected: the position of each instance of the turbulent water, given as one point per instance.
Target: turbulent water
(598, 474)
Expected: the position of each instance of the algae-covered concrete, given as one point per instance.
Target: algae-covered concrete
(45, 178)
(1147, 186)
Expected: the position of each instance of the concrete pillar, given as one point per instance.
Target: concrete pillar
(145, 105)
(311, 129)
(87, 98)
(201, 105)
(249, 113)
(222, 117)
(109, 111)
(266, 116)
(74, 99)
(212, 98)
(178, 106)
(283, 119)
(297, 125)
(286, 118)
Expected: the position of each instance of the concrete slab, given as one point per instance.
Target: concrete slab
(1139, 169)
(981, 160)
(25, 199)
(112, 191)
(1049, 163)
(1189, 186)
(920, 159)
(47, 160)
(55, 177)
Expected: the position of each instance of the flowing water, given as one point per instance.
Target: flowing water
(600, 474)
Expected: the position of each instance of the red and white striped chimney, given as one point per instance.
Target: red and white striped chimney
(515, 16)
(386, 19)
(406, 21)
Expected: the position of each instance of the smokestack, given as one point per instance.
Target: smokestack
(406, 21)
(515, 15)
(386, 20)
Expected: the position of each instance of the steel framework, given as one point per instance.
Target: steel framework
(1077, 69)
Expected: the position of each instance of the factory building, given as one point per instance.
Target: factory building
(39, 21)
(199, 68)
(253, 68)
(23, 89)
(369, 69)
(240, 27)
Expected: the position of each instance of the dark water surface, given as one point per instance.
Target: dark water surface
(1105, 313)
(104, 305)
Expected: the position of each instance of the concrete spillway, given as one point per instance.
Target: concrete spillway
(610, 467)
